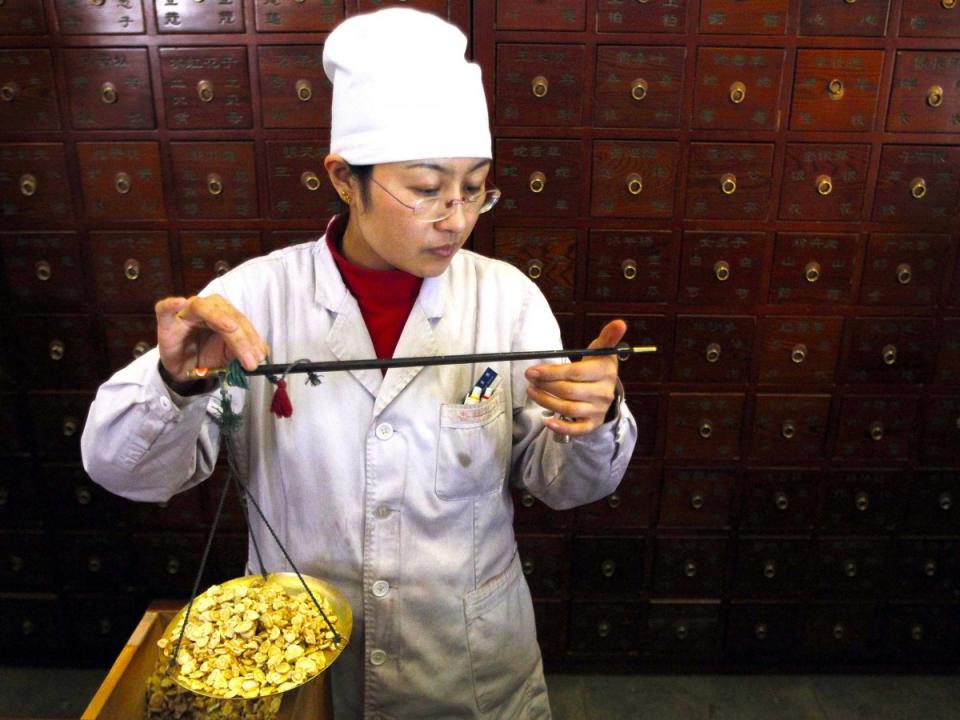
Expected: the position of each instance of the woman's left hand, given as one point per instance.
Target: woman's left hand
(578, 393)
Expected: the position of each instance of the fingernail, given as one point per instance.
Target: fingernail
(533, 374)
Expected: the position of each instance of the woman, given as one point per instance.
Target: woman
(393, 486)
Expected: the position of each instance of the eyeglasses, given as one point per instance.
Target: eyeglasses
(430, 210)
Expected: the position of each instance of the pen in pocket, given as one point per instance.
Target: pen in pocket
(482, 383)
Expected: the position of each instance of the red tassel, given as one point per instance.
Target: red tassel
(280, 405)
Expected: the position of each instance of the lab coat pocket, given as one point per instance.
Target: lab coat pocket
(473, 449)
(501, 636)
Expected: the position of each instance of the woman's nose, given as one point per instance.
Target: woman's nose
(457, 220)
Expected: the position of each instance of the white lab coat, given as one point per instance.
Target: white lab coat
(386, 486)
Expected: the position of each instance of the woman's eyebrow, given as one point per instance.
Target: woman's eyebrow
(442, 169)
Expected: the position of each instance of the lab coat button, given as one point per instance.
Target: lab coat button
(378, 657)
(164, 402)
(382, 512)
(380, 588)
(384, 431)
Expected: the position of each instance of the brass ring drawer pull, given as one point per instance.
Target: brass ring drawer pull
(309, 180)
(173, 565)
(728, 183)
(835, 89)
(15, 563)
(904, 273)
(9, 92)
(527, 500)
(28, 185)
(916, 632)
(540, 86)
(876, 431)
(131, 269)
(528, 566)
(214, 184)
(629, 268)
(713, 352)
(705, 429)
(43, 270)
(721, 269)
(205, 91)
(634, 184)
(82, 495)
(889, 354)
(799, 353)
(850, 569)
(68, 427)
(811, 272)
(537, 182)
(108, 93)
(760, 631)
(638, 89)
(122, 183)
(788, 430)
(862, 501)
(930, 568)
(57, 349)
(781, 501)
(140, 348)
(613, 501)
(608, 568)
(681, 632)
(603, 628)
(824, 185)
(27, 627)
(221, 267)
(534, 269)
(918, 187)
(304, 90)
(690, 568)
(697, 501)
(935, 96)
(98, 3)
(945, 501)
(738, 92)
(94, 564)
(838, 631)
(770, 569)
(948, 4)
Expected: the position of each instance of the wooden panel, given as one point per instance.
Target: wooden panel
(639, 86)
(29, 93)
(824, 182)
(925, 95)
(866, 18)
(738, 88)
(815, 267)
(548, 257)
(110, 16)
(540, 85)
(633, 179)
(538, 177)
(109, 88)
(294, 90)
(836, 90)
(729, 180)
(666, 16)
(755, 17)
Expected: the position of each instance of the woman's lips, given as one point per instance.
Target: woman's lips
(443, 251)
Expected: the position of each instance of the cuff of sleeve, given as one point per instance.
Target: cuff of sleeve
(182, 394)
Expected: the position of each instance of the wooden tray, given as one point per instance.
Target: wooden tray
(121, 696)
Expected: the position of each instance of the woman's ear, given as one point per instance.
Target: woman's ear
(341, 178)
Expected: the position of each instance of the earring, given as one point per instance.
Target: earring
(345, 195)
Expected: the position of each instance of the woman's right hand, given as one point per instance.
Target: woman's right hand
(205, 332)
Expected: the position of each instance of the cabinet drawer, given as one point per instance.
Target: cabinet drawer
(824, 182)
(921, 18)
(110, 17)
(815, 267)
(184, 16)
(713, 348)
(633, 179)
(852, 568)
(838, 630)
(540, 85)
(631, 266)
(876, 427)
(206, 87)
(904, 269)
(926, 92)
(43, 270)
(121, 181)
(33, 183)
(917, 633)
(940, 430)
(293, 16)
(298, 182)
(109, 88)
(544, 562)
(689, 567)
(933, 503)
(29, 91)
(948, 360)
(683, 632)
(551, 620)
(60, 351)
(26, 562)
(629, 507)
(798, 349)
(208, 255)
(917, 183)
(604, 628)
(666, 16)
(890, 350)
(183, 511)
(722, 268)
(738, 88)
(78, 503)
(168, 563)
(532, 514)
(101, 624)
(771, 569)
(23, 17)
(294, 90)
(926, 570)
(214, 179)
(639, 86)
(95, 562)
(22, 500)
(547, 256)
(729, 180)
(646, 411)
(762, 631)
(861, 502)
(753, 17)
(539, 177)
(779, 501)
(836, 90)
(58, 419)
(866, 18)
(790, 429)
(31, 628)
(607, 565)
(128, 337)
(524, 15)
(641, 330)
(696, 498)
(132, 269)
(704, 426)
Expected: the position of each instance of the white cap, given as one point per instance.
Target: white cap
(403, 90)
